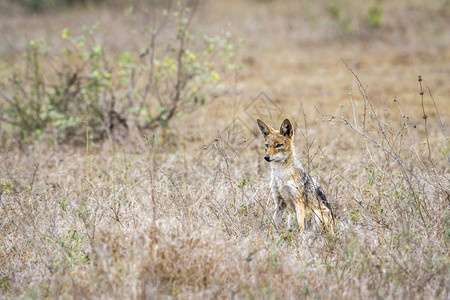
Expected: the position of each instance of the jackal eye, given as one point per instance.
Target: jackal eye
(278, 145)
(266, 145)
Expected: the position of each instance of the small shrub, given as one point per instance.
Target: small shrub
(63, 104)
(375, 15)
(166, 79)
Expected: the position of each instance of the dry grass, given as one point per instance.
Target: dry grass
(163, 218)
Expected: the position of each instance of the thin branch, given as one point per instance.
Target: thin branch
(425, 117)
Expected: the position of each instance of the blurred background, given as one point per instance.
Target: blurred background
(294, 50)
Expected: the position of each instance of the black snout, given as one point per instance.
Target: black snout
(267, 158)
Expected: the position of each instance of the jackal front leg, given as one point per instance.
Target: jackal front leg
(300, 213)
(325, 218)
(281, 207)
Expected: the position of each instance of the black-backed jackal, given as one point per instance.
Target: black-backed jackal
(291, 186)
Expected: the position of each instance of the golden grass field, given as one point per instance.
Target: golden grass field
(184, 211)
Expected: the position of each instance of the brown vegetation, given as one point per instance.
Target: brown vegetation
(183, 210)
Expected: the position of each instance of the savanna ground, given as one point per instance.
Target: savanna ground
(120, 204)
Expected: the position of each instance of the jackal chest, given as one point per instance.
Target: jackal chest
(283, 185)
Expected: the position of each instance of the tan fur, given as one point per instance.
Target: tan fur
(292, 188)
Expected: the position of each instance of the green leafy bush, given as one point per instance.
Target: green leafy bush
(375, 15)
(103, 94)
(62, 104)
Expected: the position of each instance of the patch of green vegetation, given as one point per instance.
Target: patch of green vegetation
(80, 99)
(375, 15)
(6, 188)
(243, 182)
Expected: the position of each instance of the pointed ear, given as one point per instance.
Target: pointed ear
(265, 129)
(286, 128)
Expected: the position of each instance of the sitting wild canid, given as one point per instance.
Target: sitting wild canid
(292, 188)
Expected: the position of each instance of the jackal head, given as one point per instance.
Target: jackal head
(278, 143)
